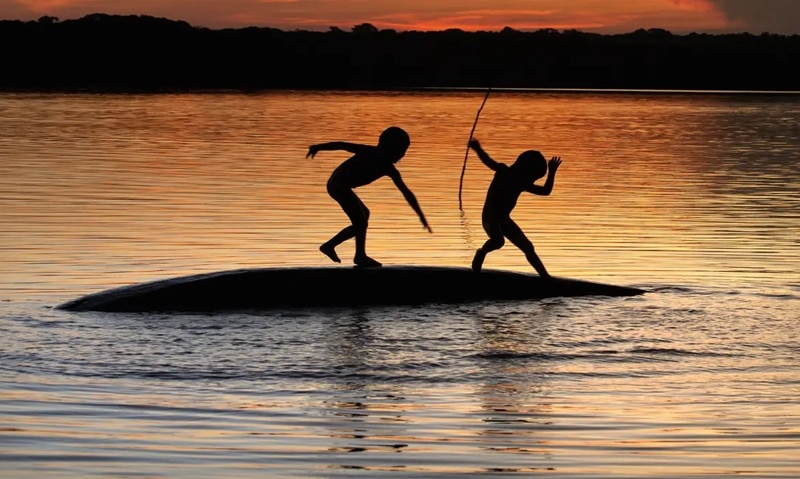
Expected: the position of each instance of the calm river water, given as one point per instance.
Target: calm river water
(693, 197)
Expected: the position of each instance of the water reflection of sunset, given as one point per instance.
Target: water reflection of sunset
(200, 182)
(692, 196)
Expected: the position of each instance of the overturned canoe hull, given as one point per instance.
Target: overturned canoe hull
(270, 288)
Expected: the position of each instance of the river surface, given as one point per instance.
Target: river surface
(693, 197)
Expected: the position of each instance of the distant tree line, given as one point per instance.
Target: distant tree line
(141, 53)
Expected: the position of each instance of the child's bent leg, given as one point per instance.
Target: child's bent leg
(348, 202)
(493, 243)
(358, 213)
(517, 237)
(360, 219)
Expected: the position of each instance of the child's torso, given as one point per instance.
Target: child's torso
(503, 192)
(359, 170)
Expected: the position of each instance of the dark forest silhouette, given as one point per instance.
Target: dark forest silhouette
(141, 53)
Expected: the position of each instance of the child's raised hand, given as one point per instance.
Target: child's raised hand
(312, 150)
(554, 163)
(474, 144)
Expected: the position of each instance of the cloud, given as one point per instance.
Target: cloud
(606, 16)
(757, 16)
(13, 11)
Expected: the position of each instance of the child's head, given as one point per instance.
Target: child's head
(531, 163)
(394, 141)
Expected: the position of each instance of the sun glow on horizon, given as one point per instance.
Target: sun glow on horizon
(619, 16)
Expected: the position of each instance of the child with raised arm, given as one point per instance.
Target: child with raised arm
(367, 164)
(501, 198)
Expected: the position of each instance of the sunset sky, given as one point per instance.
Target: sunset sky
(603, 16)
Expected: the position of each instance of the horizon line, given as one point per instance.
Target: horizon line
(330, 28)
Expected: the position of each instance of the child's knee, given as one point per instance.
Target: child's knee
(494, 243)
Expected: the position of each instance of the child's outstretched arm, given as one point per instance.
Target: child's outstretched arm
(547, 188)
(410, 198)
(335, 145)
(485, 158)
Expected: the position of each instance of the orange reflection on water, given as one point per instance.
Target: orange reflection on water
(652, 186)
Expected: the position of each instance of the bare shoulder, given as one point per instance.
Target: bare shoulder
(501, 167)
(362, 155)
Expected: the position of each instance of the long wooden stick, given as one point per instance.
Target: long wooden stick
(466, 154)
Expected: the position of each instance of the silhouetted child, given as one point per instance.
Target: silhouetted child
(367, 164)
(501, 198)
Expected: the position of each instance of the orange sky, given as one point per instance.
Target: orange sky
(605, 16)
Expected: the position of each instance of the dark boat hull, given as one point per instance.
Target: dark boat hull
(271, 288)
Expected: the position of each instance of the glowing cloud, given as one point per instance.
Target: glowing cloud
(605, 16)
(774, 16)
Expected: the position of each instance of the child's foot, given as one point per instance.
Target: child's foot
(366, 262)
(330, 252)
(477, 261)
